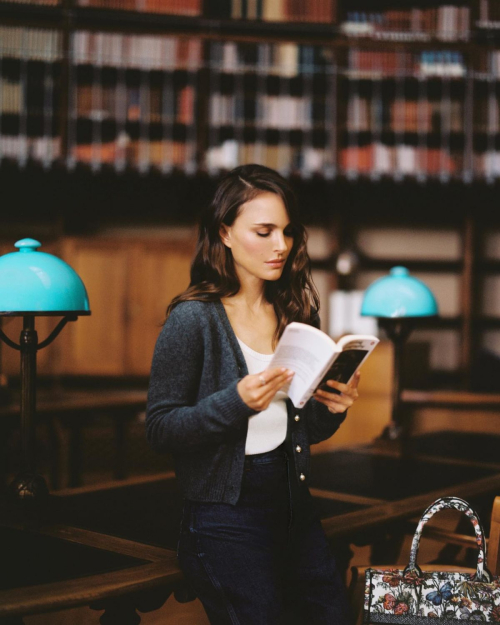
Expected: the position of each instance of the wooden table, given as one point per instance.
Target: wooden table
(450, 399)
(114, 548)
(73, 401)
(73, 409)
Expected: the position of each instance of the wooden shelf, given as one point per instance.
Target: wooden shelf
(450, 399)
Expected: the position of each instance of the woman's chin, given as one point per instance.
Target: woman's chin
(274, 276)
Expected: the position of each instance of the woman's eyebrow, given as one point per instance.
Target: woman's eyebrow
(270, 225)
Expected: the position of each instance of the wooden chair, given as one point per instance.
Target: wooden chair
(356, 589)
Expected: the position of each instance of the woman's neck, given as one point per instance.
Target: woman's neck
(253, 305)
(251, 295)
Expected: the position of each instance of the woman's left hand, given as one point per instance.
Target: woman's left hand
(339, 403)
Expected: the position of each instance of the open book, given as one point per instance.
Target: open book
(315, 358)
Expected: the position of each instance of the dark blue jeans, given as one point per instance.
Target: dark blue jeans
(264, 561)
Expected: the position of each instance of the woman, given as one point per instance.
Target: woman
(250, 544)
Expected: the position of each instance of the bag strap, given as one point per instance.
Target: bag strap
(462, 506)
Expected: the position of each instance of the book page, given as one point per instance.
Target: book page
(305, 350)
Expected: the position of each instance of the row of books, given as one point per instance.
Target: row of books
(155, 104)
(280, 59)
(99, 103)
(447, 23)
(169, 53)
(282, 157)
(375, 63)
(319, 11)
(30, 43)
(146, 52)
(126, 103)
(381, 159)
(23, 148)
(375, 159)
(165, 155)
(139, 154)
(410, 161)
(282, 112)
(42, 2)
(364, 115)
(175, 7)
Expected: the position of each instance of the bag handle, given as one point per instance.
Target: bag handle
(461, 505)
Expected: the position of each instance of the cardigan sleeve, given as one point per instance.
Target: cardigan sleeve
(176, 418)
(321, 423)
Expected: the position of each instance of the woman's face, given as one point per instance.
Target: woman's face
(260, 238)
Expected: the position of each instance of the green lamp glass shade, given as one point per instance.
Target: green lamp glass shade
(399, 295)
(38, 283)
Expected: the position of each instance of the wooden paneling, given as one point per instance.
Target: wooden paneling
(95, 345)
(129, 283)
(160, 272)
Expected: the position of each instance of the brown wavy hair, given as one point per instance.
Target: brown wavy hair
(213, 275)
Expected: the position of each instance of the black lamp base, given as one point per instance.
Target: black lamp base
(29, 487)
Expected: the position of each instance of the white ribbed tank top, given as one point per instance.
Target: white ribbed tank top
(266, 429)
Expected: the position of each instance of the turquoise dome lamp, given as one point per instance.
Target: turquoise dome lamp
(398, 301)
(34, 284)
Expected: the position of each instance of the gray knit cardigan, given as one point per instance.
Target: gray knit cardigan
(196, 413)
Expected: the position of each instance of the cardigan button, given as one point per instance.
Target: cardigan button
(302, 477)
(297, 418)
(298, 449)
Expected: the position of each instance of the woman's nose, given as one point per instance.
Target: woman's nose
(280, 244)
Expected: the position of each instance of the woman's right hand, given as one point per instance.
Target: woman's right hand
(257, 390)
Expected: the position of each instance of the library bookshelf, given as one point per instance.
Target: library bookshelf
(309, 88)
(362, 102)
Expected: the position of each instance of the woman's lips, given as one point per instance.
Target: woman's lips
(275, 263)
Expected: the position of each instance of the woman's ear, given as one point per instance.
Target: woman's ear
(225, 235)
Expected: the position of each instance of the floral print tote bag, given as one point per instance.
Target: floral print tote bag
(412, 597)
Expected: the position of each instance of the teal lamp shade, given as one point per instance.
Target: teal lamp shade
(36, 283)
(399, 295)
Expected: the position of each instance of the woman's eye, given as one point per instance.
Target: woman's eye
(287, 233)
